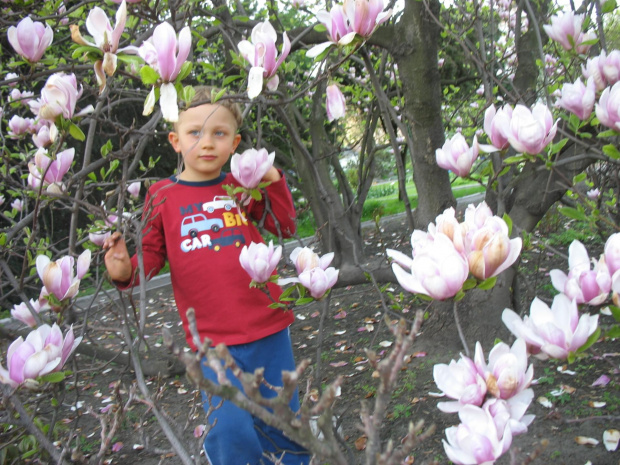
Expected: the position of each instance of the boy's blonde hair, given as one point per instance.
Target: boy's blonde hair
(204, 94)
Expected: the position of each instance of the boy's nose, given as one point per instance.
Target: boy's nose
(205, 140)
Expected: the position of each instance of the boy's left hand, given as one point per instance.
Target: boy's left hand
(272, 175)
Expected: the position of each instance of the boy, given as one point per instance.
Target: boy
(192, 223)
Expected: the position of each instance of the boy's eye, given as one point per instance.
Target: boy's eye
(220, 133)
(195, 133)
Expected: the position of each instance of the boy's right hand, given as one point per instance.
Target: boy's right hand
(117, 260)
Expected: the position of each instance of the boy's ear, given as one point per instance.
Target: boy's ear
(173, 138)
(236, 141)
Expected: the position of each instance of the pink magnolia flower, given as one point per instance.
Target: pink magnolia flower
(583, 284)
(47, 171)
(476, 440)
(19, 125)
(344, 22)
(43, 137)
(460, 381)
(298, 3)
(552, 332)
(497, 127)
(58, 277)
(593, 194)
(250, 167)
(594, 69)
(166, 54)
(566, 30)
(511, 412)
(59, 97)
(507, 373)
(365, 15)
(531, 130)
(259, 260)
(578, 98)
(611, 67)
(305, 259)
(490, 250)
(457, 156)
(318, 281)
(99, 237)
(261, 53)
(30, 39)
(44, 351)
(437, 269)
(476, 216)
(608, 107)
(105, 38)
(17, 204)
(335, 103)
(134, 189)
(612, 253)
(22, 313)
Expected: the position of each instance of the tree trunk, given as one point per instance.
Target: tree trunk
(416, 55)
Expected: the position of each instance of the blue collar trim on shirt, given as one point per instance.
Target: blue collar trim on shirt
(211, 182)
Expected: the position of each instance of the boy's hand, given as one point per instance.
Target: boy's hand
(117, 260)
(272, 175)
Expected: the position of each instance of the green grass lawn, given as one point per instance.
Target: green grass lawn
(387, 205)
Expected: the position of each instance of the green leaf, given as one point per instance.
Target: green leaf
(320, 28)
(608, 133)
(615, 311)
(276, 305)
(3, 239)
(185, 70)
(305, 300)
(76, 132)
(148, 75)
(488, 283)
(256, 194)
(459, 295)
(469, 284)
(30, 453)
(243, 19)
(555, 148)
(106, 148)
(573, 213)
(56, 377)
(580, 177)
(287, 292)
(230, 79)
(513, 160)
(215, 96)
(508, 221)
(188, 94)
(85, 49)
(591, 340)
(613, 332)
(608, 6)
(611, 151)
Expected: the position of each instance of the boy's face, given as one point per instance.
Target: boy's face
(205, 136)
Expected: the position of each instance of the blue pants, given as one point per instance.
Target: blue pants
(238, 438)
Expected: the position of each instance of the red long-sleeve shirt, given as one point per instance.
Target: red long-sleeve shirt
(199, 229)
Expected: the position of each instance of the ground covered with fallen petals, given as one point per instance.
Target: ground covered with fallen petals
(574, 404)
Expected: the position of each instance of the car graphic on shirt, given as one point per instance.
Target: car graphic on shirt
(229, 236)
(194, 224)
(219, 201)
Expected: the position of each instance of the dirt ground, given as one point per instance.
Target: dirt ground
(568, 403)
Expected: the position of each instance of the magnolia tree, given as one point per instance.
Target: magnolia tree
(88, 88)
